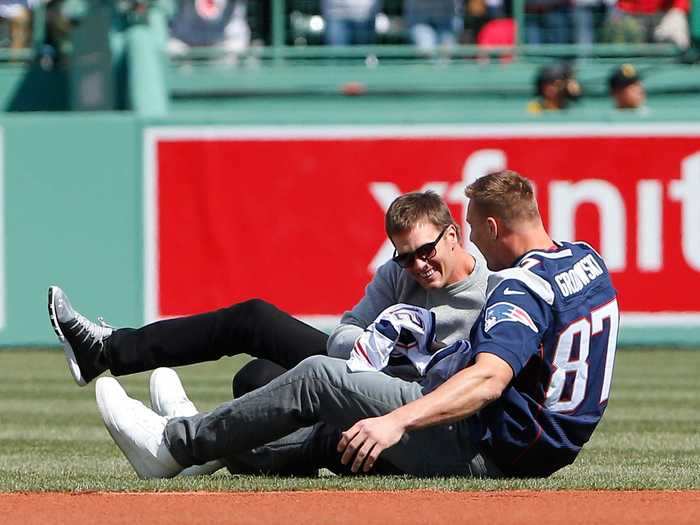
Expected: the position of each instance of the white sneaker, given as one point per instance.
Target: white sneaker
(168, 396)
(137, 431)
(169, 399)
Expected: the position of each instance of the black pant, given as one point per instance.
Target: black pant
(253, 327)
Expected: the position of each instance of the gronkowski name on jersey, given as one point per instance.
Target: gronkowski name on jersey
(553, 318)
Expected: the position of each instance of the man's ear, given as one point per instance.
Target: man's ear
(493, 228)
(452, 234)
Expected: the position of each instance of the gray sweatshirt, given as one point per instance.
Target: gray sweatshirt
(456, 306)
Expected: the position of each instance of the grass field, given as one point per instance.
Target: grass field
(52, 438)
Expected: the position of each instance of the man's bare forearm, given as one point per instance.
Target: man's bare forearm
(462, 395)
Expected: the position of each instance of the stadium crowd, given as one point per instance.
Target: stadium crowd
(424, 23)
(431, 23)
(235, 25)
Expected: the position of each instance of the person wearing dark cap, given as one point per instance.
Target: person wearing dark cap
(555, 87)
(626, 88)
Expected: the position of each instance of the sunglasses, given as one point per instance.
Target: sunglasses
(424, 252)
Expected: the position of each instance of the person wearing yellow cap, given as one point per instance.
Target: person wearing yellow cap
(626, 88)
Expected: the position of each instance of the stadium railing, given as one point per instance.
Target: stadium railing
(157, 82)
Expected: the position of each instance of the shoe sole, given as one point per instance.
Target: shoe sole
(67, 350)
(156, 405)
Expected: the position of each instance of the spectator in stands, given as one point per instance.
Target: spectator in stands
(495, 9)
(60, 19)
(209, 23)
(350, 22)
(486, 23)
(547, 22)
(18, 13)
(639, 21)
(433, 23)
(556, 86)
(499, 32)
(626, 88)
(583, 18)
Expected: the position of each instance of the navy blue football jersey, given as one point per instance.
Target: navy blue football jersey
(553, 317)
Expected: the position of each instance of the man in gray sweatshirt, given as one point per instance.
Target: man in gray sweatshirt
(430, 269)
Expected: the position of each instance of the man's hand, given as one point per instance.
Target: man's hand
(366, 439)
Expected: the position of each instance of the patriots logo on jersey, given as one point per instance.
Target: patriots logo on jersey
(501, 312)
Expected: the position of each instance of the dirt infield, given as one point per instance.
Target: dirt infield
(367, 508)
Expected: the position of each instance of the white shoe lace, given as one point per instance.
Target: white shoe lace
(104, 324)
(94, 333)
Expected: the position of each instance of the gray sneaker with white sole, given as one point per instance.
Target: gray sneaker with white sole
(84, 341)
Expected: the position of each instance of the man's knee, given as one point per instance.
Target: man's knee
(254, 308)
(320, 373)
(321, 366)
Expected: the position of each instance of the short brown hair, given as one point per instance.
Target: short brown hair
(413, 208)
(506, 195)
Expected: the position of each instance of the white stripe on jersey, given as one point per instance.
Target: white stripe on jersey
(552, 255)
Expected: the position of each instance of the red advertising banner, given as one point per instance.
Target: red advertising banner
(296, 217)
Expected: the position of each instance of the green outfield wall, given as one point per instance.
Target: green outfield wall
(72, 215)
(75, 203)
(104, 202)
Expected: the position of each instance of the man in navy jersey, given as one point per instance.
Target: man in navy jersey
(535, 383)
(552, 316)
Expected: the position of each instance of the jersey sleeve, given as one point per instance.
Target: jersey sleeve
(512, 324)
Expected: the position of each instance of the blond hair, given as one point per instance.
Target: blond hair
(505, 195)
(410, 209)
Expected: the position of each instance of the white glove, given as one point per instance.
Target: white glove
(673, 28)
